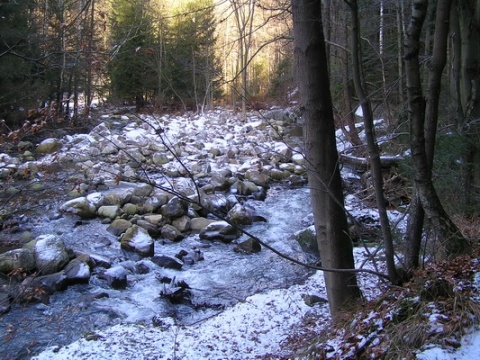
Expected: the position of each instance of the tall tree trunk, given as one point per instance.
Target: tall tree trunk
(374, 151)
(469, 94)
(446, 232)
(349, 117)
(436, 66)
(321, 153)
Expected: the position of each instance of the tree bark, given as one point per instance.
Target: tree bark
(372, 145)
(446, 232)
(321, 153)
(436, 66)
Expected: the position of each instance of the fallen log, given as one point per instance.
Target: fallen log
(363, 163)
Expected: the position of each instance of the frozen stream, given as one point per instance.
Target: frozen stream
(221, 280)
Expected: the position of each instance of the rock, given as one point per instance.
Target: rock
(239, 215)
(143, 190)
(119, 226)
(308, 240)
(219, 182)
(155, 219)
(246, 188)
(311, 300)
(257, 177)
(219, 230)
(298, 159)
(216, 203)
(279, 175)
(39, 288)
(17, 259)
(116, 277)
(48, 146)
(153, 230)
(50, 254)
(199, 223)
(176, 207)
(171, 233)
(153, 203)
(182, 223)
(119, 196)
(99, 261)
(167, 262)
(144, 266)
(77, 272)
(130, 209)
(109, 211)
(24, 145)
(80, 206)
(138, 240)
(160, 159)
(249, 246)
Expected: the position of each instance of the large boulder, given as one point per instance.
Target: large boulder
(239, 215)
(119, 196)
(17, 259)
(182, 223)
(50, 253)
(138, 240)
(197, 224)
(109, 211)
(48, 146)
(116, 277)
(249, 246)
(219, 230)
(119, 226)
(167, 262)
(171, 233)
(81, 207)
(77, 272)
(175, 208)
(39, 288)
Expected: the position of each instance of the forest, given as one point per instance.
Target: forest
(398, 79)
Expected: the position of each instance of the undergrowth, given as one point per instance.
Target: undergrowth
(437, 306)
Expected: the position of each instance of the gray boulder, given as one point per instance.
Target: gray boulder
(119, 226)
(239, 215)
(138, 240)
(171, 233)
(197, 224)
(17, 259)
(258, 177)
(80, 206)
(167, 262)
(116, 277)
(50, 254)
(308, 240)
(219, 230)
(182, 223)
(119, 196)
(39, 288)
(77, 272)
(249, 246)
(176, 207)
(48, 146)
(109, 211)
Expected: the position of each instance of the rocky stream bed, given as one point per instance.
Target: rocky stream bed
(137, 220)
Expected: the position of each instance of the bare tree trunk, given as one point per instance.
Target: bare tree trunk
(400, 32)
(320, 145)
(451, 240)
(436, 66)
(372, 145)
(349, 118)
